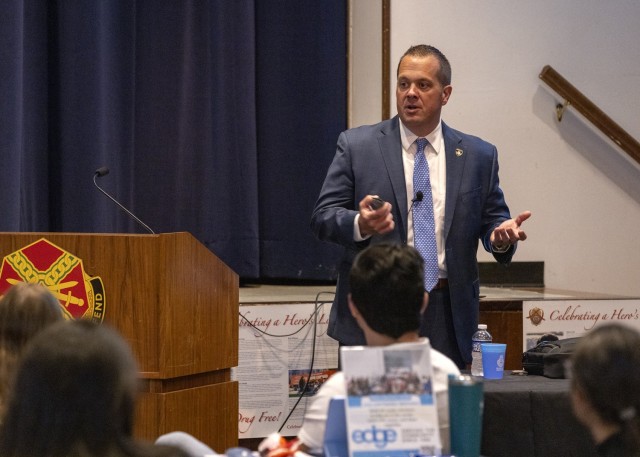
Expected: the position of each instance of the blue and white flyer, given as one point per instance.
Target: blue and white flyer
(391, 407)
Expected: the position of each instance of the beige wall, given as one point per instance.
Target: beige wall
(365, 62)
(583, 191)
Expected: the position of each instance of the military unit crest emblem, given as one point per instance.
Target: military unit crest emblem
(81, 296)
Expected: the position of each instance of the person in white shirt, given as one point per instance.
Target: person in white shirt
(387, 300)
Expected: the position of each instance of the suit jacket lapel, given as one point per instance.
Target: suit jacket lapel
(391, 150)
(456, 158)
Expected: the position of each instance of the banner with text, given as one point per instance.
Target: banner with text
(276, 348)
(571, 318)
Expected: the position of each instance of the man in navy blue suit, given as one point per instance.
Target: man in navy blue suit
(468, 204)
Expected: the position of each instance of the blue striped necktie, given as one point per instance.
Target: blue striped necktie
(424, 232)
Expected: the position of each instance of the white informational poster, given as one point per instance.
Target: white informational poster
(571, 318)
(390, 407)
(276, 352)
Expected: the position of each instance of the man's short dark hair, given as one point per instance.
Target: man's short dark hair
(425, 50)
(387, 287)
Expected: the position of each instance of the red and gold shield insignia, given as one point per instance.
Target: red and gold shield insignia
(81, 296)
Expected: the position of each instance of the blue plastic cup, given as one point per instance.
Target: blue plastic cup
(493, 360)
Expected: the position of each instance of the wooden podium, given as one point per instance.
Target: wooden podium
(176, 304)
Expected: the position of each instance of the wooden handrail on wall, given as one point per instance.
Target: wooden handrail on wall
(590, 111)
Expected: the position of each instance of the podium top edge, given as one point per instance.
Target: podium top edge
(148, 235)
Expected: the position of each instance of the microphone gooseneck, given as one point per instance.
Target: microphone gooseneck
(103, 171)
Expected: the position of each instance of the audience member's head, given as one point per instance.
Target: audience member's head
(25, 310)
(387, 289)
(74, 396)
(605, 373)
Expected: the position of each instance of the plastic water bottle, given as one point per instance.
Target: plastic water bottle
(481, 336)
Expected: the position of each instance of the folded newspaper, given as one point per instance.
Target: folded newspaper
(391, 406)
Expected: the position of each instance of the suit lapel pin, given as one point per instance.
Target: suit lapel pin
(458, 152)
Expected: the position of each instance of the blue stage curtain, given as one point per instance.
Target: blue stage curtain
(214, 117)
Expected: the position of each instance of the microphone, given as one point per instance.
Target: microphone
(103, 171)
(418, 198)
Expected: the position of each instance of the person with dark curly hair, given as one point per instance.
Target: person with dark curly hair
(387, 300)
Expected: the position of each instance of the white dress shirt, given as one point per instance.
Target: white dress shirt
(436, 158)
